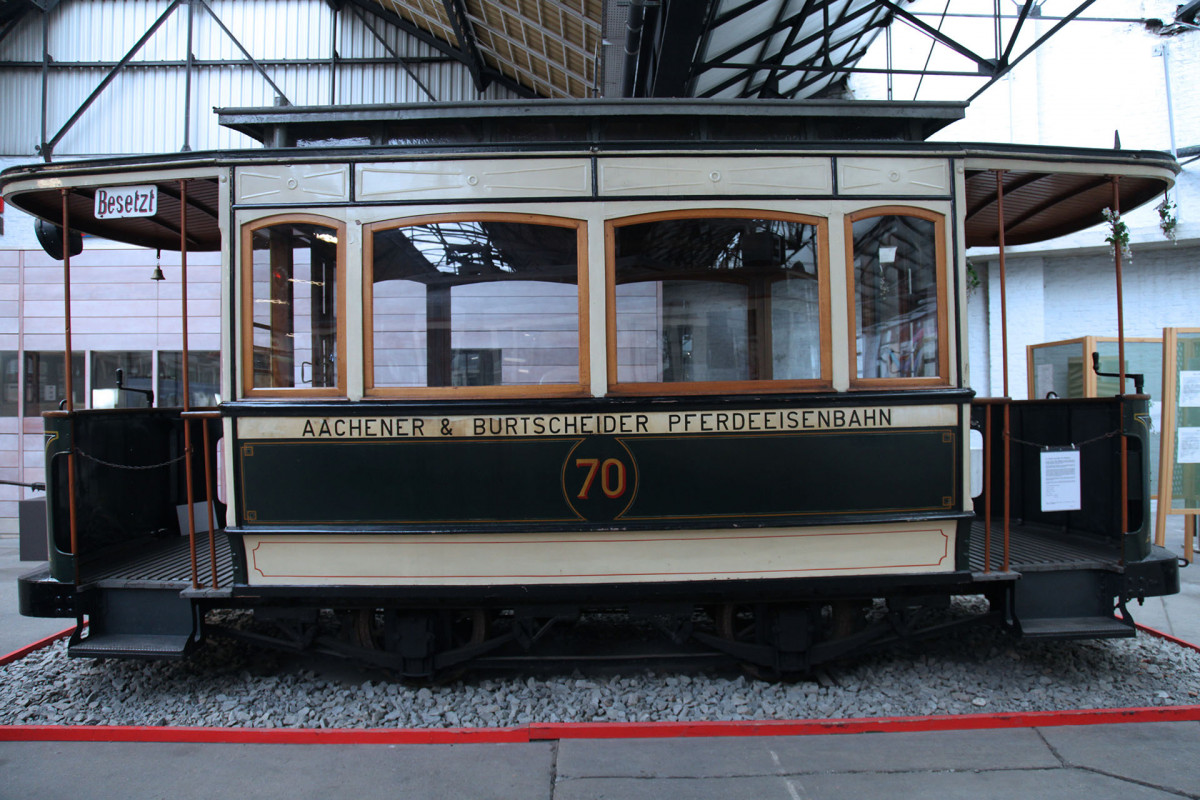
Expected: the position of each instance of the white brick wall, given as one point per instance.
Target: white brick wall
(1073, 294)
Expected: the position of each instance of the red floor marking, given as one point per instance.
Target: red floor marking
(1168, 637)
(558, 731)
(17, 655)
(139, 733)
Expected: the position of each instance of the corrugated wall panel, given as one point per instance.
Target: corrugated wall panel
(142, 109)
(20, 122)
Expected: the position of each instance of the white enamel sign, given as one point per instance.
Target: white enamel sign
(126, 201)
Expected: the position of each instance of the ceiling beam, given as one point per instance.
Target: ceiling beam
(1006, 68)
(679, 28)
(47, 146)
(466, 42)
(718, 62)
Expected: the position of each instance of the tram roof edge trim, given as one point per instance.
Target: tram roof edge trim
(1048, 191)
(685, 119)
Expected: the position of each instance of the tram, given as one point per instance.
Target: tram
(489, 367)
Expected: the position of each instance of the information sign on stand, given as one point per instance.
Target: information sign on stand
(1179, 457)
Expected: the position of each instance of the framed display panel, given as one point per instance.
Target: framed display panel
(897, 296)
(1065, 368)
(708, 301)
(1179, 476)
(293, 307)
(475, 305)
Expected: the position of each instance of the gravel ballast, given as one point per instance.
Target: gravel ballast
(230, 684)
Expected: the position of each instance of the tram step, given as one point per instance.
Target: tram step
(1076, 628)
(132, 645)
(135, 623)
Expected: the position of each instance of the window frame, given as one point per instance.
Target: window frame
(246, 326)
(942, 275)
(745, 387)
(582, 388)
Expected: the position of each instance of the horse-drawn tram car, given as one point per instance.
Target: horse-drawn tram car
(490, 367)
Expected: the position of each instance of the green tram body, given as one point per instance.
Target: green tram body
(534, 359)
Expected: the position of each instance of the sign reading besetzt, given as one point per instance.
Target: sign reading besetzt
(126, 201)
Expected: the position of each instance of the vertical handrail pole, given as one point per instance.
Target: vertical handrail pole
(187, 423)
(987, 489)
(68, 383)
(1116, 201)
(1004, 361)
(211, 495)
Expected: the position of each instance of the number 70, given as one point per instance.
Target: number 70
(612, 476)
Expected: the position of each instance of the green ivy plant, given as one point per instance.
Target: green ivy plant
(1118, 235)
(1167, 218)
(972, 278)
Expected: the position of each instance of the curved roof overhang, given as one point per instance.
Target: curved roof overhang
(1048, 192)
(1052, 192)
(38, 190)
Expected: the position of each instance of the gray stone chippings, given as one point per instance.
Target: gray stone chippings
(229, 684)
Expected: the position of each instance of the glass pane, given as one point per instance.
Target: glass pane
(895, 285)
(295, 306)
(1058, 370)
(45, 382)
(204, 378)
(10, 392)
(1140, 357)
(136, 376)
(475, 304)
(717, 299)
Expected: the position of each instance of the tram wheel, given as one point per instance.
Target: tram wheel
(744, 624)
(444, 631)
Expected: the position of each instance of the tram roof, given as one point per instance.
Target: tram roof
(1048, 191)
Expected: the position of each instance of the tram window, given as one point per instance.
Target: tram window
(45, 381)
(292, 307)
(137, 374)
(204, 378)
(898, 295)
(729, 298)
(473, 302)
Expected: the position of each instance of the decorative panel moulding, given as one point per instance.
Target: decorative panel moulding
(453, 180)
(716, 176)
(909, 177)
(300, 183)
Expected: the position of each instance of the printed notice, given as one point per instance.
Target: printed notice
(1189, 446)
(1060, 480)
(1189, 389)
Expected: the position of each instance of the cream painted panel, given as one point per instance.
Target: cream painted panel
(728, 176)
(444, 180)
(485, 559)
(913, 177)
(295, 183)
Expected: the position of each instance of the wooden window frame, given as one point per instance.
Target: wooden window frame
(247, 308)
(941, 271)
(580, 389)
(747, 387)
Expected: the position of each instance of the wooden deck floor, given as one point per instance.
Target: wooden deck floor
(1034, 548)
(166, 564)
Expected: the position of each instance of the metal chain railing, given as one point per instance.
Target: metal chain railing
(1075, 445)
(104, 463)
